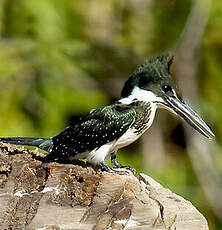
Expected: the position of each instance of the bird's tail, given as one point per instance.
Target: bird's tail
(42, 143)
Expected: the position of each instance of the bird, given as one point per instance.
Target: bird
(97, 135)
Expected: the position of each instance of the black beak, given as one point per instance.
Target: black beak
(186, 113)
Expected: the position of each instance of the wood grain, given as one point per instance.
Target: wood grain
(37, 195)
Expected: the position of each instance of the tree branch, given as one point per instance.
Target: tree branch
(36, 195)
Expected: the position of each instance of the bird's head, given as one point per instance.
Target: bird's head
(152, 82)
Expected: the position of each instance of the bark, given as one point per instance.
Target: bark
(37, 195)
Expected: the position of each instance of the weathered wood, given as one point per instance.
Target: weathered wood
(36, 195)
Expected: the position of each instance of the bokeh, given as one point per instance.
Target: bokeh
(59, 59)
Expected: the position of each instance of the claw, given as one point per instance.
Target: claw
(126, 167)
(108, 169)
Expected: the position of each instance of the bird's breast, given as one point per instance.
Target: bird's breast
(127, 138)
(145, 113)
(143, 120)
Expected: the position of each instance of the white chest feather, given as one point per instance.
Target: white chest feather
(131, 135)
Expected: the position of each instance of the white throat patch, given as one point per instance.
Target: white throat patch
(141, 95)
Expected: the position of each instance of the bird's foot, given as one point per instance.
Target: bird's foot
(120, 166)
(106, 168)
(126, 167)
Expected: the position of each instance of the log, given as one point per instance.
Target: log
(37, 195)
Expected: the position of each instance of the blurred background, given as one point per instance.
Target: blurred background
(59, 59)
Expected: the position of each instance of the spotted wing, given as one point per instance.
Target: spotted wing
(98, 127)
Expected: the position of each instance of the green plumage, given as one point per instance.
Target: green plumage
(151, 76)
(98, 127)
(142, 117)
(42, 143)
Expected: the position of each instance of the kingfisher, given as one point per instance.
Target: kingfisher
(98, 135)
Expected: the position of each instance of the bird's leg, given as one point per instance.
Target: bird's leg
(114, 161)
(118, 165)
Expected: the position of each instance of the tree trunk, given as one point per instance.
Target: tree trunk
(37, 195)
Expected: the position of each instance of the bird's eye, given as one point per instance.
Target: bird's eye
(166, 88)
